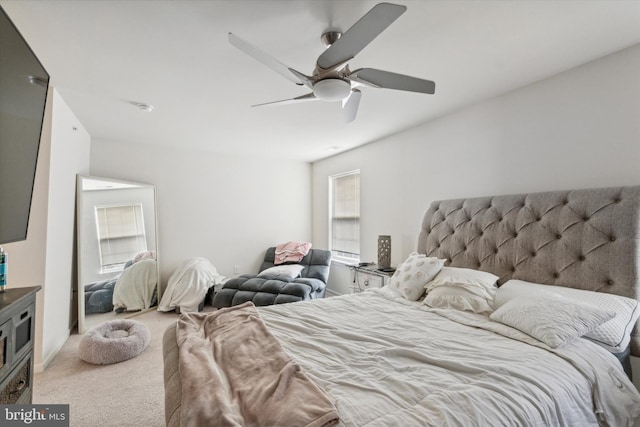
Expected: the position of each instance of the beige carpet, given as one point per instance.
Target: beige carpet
(129, 393)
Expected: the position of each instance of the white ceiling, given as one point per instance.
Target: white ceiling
(104, 56)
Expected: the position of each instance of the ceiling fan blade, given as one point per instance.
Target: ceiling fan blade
(296, 100)
(303, 78)
(360, 34)
(265, 59)
(389, 80)
(350, 106)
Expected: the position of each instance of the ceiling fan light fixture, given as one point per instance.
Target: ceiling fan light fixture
(332, 89)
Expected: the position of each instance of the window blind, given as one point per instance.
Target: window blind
(345, 215)
(121, 233)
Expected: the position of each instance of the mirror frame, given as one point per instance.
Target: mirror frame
(82, 324)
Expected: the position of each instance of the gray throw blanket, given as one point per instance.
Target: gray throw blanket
(235, 373)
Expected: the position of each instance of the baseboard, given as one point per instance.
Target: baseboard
(40, 367)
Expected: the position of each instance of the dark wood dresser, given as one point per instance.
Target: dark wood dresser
(17, 331)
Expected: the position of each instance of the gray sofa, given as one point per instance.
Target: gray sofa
(311, 284)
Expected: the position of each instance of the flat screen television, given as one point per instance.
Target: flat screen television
(23, 93)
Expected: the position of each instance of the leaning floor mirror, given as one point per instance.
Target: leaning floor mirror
(117, 250)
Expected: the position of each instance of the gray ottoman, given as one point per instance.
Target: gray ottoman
(114, 341)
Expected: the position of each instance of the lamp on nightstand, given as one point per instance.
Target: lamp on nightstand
(384, 251)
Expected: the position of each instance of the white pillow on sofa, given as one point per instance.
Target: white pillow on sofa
(413, 274)
(551, 318)
(614, 335)
(283, 272)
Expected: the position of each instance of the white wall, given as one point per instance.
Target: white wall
(575, 130)
(70, 144)
(46, 257)
(226, 208)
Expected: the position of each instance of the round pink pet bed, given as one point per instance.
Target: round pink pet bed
(114, 341)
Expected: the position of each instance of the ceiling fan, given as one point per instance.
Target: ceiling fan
(332, 80)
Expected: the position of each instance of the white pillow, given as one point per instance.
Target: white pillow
(457, 298)
(413, 274)
(481, 283)
(614, 335)
(283, 272)
(551, 318)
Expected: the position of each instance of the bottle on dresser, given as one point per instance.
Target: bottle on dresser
(4, 258)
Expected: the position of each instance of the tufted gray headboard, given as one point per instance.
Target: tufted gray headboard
(586, 239)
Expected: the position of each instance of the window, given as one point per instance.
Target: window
(121, 235)
(344, 216)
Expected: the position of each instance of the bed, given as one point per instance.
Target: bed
(384, 357)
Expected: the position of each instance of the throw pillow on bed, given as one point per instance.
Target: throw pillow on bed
(457, 298)
(613, 335)
(462, 289)
(481, 283)
(415, 272)
(551, 318)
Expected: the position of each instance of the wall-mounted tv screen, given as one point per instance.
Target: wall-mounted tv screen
(23, 93)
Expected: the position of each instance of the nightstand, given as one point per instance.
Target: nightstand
(368, 276)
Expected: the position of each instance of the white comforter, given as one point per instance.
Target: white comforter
(390, 362)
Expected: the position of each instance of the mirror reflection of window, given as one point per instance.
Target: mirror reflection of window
(120, 234)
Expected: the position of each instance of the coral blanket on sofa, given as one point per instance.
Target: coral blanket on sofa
(291, 252)
(235, 372)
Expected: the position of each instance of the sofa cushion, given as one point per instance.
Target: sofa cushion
(267, 289)
(264, 291)
(282, 272)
